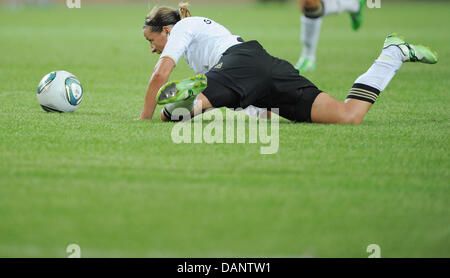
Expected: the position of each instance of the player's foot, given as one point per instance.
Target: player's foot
(411, 52)
(186, 106)
(181, 89)
(305, 65)
(357, 17)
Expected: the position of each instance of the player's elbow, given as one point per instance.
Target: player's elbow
(160, 77)
(163, 69)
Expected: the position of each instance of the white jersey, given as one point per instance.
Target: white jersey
(200, 40)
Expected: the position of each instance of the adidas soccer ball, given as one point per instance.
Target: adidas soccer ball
(60, 91)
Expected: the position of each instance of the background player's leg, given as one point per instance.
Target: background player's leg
(311, 21)
(310, 32)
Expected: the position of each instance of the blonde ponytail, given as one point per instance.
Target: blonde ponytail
(183, 9)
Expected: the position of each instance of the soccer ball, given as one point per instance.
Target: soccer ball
(59, 91)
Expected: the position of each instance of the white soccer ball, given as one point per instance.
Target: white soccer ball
(60, 91)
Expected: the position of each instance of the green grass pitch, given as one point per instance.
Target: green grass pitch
(120, 187)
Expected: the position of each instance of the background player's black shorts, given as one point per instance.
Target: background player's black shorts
(247, 75)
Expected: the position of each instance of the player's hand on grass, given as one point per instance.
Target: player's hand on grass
(145, 116)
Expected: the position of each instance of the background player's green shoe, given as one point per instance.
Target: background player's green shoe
(181, 89)
(357, 17)
(305, 65)
(411, 52)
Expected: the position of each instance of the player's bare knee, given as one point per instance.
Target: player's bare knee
(313, 8)
(310, 4)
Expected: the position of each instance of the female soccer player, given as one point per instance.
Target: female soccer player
(243, 74)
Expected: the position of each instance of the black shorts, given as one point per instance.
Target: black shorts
(247, 75)
(295, 106)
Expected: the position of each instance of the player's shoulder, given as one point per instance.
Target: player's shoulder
(194, 19)
(192, 22)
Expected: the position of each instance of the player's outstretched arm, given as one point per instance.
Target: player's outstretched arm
(159, 77)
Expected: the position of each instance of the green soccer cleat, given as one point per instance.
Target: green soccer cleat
(305, 65)
(357, 17)
(182, 89)
(411, 52)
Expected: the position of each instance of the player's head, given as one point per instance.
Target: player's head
(160, 21)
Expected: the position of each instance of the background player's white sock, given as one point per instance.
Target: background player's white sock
(310, 28)
(339, 6)
(368, 86)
